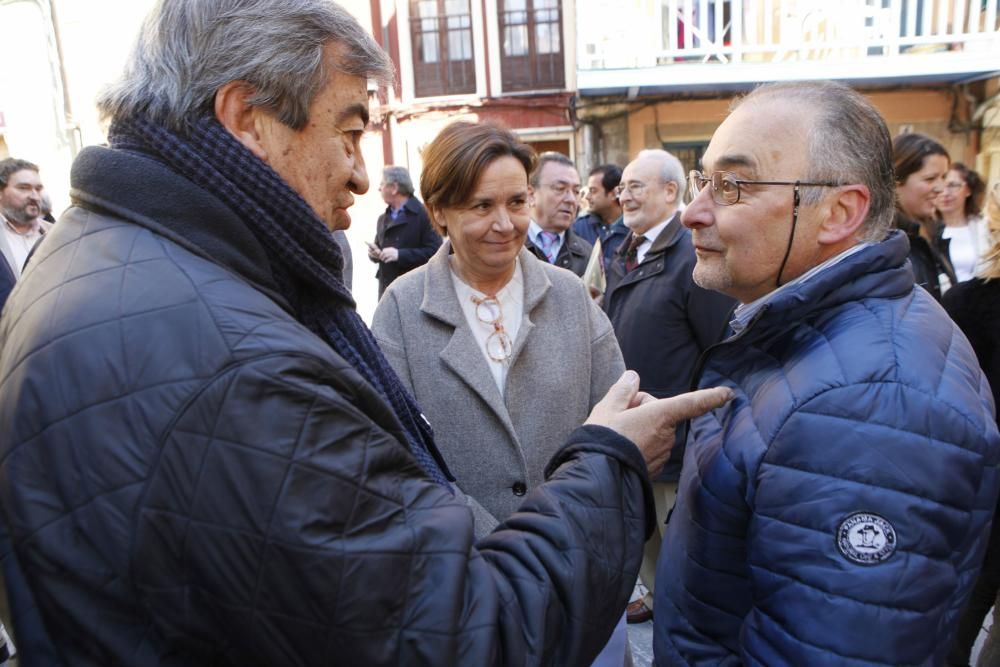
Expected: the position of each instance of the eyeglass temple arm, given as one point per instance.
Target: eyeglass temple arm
(791, 236)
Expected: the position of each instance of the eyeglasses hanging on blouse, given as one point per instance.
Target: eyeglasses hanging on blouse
(489, 312)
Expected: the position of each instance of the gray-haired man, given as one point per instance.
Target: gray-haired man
(206, 460)
(404, 238)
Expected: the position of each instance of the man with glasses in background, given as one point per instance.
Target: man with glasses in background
(554, 191)
(663, 321)
(837, 510)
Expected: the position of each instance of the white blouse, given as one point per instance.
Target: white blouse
(511, 306)
(966, 247)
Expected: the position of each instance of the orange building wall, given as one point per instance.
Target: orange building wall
(925, 111)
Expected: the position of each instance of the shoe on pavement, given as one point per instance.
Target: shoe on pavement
(638, 612)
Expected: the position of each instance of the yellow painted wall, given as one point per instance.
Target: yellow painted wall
(925, 111)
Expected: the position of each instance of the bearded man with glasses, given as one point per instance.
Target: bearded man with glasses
(837, 510)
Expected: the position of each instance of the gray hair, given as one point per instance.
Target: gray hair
(188, 49)
(671, 169)
(401, 177)
(849, 143)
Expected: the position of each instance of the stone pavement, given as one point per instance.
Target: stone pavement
(640, 638)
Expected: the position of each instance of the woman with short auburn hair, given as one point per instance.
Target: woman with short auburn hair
(505, 353)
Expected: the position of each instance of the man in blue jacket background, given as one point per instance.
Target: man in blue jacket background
(836, 511)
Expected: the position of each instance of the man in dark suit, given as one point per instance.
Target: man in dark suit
(404, 237)
(662, 319)
(554, 188)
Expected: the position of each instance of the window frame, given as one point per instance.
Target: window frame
(532, 70)
(445, 76)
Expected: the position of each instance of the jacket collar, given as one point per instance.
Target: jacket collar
(462, 354)
(668, 237)
(441, 302)
(571, 243)
(410, 208)
(137, 188)
(878, 271)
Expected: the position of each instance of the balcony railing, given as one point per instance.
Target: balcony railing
(642, 34)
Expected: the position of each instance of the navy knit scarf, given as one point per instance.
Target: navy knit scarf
(305, 259)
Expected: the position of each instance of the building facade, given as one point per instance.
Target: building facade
(511, 61)
(662, 73)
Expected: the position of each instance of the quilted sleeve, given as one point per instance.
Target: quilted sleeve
(872, 505)
(284, 524)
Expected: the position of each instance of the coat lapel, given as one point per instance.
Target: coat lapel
(536, 285)
(7, 251)
(462, 354)
(653, 262)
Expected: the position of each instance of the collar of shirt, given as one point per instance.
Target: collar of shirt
(30, 236)
(651, 236)
(534, 230)
(746, 311)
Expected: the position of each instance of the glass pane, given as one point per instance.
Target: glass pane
(459, 45)
(546, 4)
(547, 38)
(430, 48)
(427, 8)
(515, 40)
(546, 15)
(514, 5)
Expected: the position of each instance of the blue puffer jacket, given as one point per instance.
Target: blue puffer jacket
(835, 512)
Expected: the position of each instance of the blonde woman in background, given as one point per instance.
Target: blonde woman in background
(975, 307)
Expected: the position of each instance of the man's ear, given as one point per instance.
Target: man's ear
(531, 196)
(847, 213)
(671, 189)
(241, 119)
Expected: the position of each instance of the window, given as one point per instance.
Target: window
(531, 33)
(442, 47)
(689, 153)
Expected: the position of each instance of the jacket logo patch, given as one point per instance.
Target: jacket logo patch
(866, 539)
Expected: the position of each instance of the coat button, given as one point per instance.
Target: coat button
(519, 488)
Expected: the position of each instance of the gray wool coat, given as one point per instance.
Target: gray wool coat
(564, 360)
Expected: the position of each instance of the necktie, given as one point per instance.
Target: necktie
(632, 252)
(548, 241)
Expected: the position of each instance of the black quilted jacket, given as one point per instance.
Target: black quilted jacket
(190, 477)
